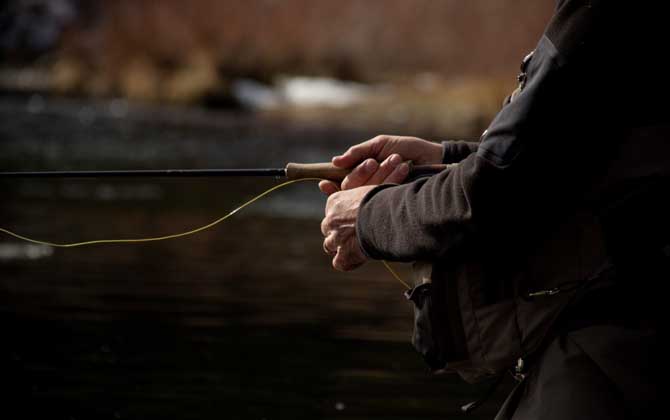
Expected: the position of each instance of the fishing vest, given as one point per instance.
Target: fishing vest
(483, 310)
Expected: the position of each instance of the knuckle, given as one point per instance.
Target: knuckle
(331, 199)
(389, 164)
(353, 150)
(328, 245)
(384, 165)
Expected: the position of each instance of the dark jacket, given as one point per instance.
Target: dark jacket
(538, 217)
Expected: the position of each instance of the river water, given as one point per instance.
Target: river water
(244, 321)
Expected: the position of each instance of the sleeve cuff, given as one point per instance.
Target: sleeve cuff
(457, 150)
(364, 226)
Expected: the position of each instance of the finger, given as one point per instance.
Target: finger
(328, 187)
(398, 175)
(328, 250)
(360, 175)
(385, 169)
(325, 226)
(330, 244)
(359, 152)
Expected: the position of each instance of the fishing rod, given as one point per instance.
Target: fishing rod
(292, 171)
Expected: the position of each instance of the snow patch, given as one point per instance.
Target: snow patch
(299, 92)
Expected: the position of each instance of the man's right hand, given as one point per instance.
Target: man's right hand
(380, 160)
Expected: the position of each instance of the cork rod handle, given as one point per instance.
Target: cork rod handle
(327, 170)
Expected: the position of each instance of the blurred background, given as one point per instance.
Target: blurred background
(246, 321)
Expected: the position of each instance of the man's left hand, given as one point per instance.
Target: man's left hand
(339, 228)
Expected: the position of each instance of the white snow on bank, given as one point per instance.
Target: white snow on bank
(255, 95)
(299, 92)
(321, 91)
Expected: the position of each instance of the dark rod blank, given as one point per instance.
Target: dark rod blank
(324, 170)
(158, 173)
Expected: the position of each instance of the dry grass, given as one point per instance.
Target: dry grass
(447, 63)
(177, 50)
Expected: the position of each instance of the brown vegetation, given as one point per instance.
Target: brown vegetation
(178, 50)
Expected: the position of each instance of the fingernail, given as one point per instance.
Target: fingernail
(370, 165)
(404, 169)
(395, 159)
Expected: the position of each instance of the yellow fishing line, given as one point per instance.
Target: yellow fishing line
(159, 238)
(395, 274)
(177, 235)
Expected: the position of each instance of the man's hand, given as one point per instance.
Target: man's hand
(379, 160)
(339, 229)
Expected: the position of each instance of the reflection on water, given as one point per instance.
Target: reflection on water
(244, 321)
(14, 251)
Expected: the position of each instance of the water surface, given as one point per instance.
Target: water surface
(245, 321)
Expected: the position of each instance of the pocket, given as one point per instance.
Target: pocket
(500, 336)
(433, 335)
(424, 338)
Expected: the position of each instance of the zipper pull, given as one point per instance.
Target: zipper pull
(548, 292)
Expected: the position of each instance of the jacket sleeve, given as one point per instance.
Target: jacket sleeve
(532, 161)
(457, 150)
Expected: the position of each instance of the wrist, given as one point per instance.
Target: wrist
(435, 153)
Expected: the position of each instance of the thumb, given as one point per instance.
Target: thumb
(355, 155)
